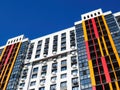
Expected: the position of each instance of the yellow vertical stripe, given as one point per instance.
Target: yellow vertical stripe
(100, 26)
(113, 68)
(105, 46)
(111, 40)
(91, 73)
(117, 86)
(10, 70)
(111, 88)
(85, 31)
(100, 47)
(1, 58)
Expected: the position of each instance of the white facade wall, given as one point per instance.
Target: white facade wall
(50, 59)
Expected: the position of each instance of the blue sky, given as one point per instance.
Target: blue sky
(35, 18)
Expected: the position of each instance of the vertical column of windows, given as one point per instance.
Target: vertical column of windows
(114, 29)
(63, 41)
(23, 77)
(44, 71)
(95, 54)
(54, 68)
(38, 49)
(63, 65)
(15, 75)
(75, 83)
(34, 72)
(30, 51)
(90, 47)
(84, 72)
(46, 47)
(55, 43)
(73, 61)
(72, 38)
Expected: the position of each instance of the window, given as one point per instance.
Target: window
(73, 60)
(63, 34)
(63, 84)
(39, 42)
(63, 62)
(22, 84)
(54, 70)
(35, 69)
(42, 88)
(42, 81)
(53, 87)
(53, 78)
(37, 56)
(44, 68)
(75, 81)
(75, 88)
(74, 71)
(33, 83)
(43, 73)
(63, 68)
(54, 65)
(63, 76)
(63, 48)
(24, 77)
(34, 76)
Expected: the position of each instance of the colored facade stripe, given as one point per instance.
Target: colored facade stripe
(85, 31)
(92, 73)
(87, 50)
(12, 65)
(93, 88)
(113, 68)
(100, 47)
(100, 26)
(105, 46)
(9, 54)
(95, 28)
(117, 86)
(105, 68)
(110, 85)
(2, 53)
(111, 40)
(5, 68)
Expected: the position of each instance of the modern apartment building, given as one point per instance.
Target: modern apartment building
(85, 56)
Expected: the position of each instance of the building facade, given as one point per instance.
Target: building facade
(83, 57)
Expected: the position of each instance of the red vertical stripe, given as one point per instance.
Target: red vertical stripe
(105, 68)
(95, 28)
(93, 88)
(87, 50)
(9, 54)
